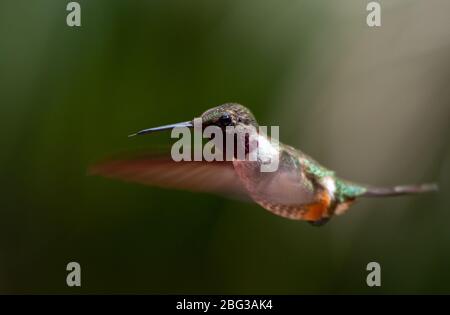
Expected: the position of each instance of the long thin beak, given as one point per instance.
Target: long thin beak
(187, 124)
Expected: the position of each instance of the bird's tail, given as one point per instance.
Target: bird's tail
(399, 190)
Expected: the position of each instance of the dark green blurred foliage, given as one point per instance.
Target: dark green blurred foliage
(69, 96)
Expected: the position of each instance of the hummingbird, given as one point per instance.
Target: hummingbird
(300, 188)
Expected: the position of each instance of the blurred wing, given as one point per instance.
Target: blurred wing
(287, 189)
(199, 176)
(288, 185)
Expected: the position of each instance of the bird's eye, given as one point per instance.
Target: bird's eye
(225, 120)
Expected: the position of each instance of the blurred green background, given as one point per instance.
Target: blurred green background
(372, 104)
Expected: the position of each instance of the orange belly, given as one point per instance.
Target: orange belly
(318, 210)
(315, 211)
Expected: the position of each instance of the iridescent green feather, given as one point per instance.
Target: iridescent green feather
(346, 190)
(316, 169)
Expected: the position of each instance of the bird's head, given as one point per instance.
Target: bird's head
(225, 115)
(229, 114)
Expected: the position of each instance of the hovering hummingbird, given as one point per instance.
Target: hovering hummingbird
(300, 189)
